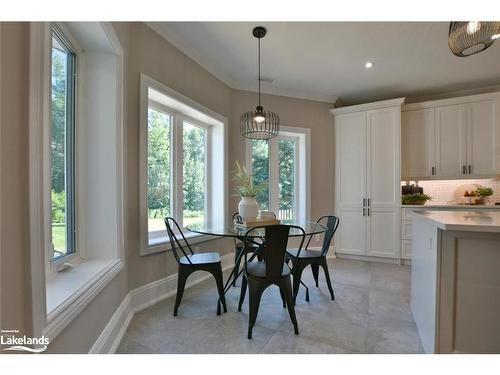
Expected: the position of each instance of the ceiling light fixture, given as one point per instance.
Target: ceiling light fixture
(368, 64)
(259, 124)
(468, 38)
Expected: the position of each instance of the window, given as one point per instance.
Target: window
(194, 174)
(283, 162)
(183, 156)
(62, 150)
(159, 177)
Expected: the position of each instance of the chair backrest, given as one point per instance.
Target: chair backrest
(174, 242)
(332, 223)
(275, 243)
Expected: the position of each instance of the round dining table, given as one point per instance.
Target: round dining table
(252, 237)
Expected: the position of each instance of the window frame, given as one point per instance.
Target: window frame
(176, 169)
(67, 43)
(184, 110)
(302, 139)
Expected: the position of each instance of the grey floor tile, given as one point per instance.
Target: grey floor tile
(289, 343)
(386, 335)
(390, 305)
(370, 314)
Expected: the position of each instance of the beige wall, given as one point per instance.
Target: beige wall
(14, 234)
(146, 52)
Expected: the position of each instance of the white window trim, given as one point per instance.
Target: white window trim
(147, 82)
(302, 168)
(101, 273)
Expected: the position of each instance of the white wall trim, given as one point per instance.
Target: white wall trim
(64, 315)
(368, 106)
(112, 334)
(141, 298)
(452, 101)
(365, 258)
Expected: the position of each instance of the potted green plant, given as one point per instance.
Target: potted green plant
(415, 198)
(248, 206)
(482, 193)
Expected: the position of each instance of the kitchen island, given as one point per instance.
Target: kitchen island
(455, 280)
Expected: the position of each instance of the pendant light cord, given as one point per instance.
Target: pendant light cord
(259, 71)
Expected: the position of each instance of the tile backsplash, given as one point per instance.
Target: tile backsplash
(451, 191)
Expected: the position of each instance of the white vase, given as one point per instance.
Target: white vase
(248, 208)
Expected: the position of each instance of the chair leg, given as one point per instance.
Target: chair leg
(307, 290)
(282, 293)
(237, 262)
(315, 271)
(243, 291)
(287, 286)
(297, 274)
(255, 293)
(182, 275)
(327, 276)
(217, 272)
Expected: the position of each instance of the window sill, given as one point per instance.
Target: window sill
(160, 245)
(69, 292)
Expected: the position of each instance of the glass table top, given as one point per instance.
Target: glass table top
(231, 231)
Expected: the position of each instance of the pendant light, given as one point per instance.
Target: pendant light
(259, 124)
(468, 38)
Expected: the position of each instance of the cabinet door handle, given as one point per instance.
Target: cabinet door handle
(470, 169)
(463, 169)
(364, 202)
(368, 214)
(364, 211)
(368, 205)
(433, 171)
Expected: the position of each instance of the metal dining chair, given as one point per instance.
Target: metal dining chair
(301, 258)
(274, 271)
(190, 262)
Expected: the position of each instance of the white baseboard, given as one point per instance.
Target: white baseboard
(365, 258)
(141, 298)
(112, 334)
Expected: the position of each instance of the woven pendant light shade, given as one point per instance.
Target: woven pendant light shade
(267, 129)
(468, 38)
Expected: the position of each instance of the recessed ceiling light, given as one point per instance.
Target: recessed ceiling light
(368, 64)
(495, 36)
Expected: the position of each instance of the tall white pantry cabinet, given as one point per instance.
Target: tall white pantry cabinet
(367, 178)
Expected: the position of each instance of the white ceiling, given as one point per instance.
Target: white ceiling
(325, 60)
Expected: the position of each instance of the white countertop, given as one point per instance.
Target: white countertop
(430, 206)
(473, 221)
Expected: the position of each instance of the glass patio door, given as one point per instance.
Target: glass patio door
(277, 161)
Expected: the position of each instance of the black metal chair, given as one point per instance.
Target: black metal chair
(239, 248)
(301, 258)
(274, 271)
(191, 262)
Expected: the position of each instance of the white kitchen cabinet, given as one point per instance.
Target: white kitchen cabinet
(452, 138)
(450, 141)
(418, 144)
(350, 132)
(483, 133)
(368, 140)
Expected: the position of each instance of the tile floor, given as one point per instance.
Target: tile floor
(370, 314)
